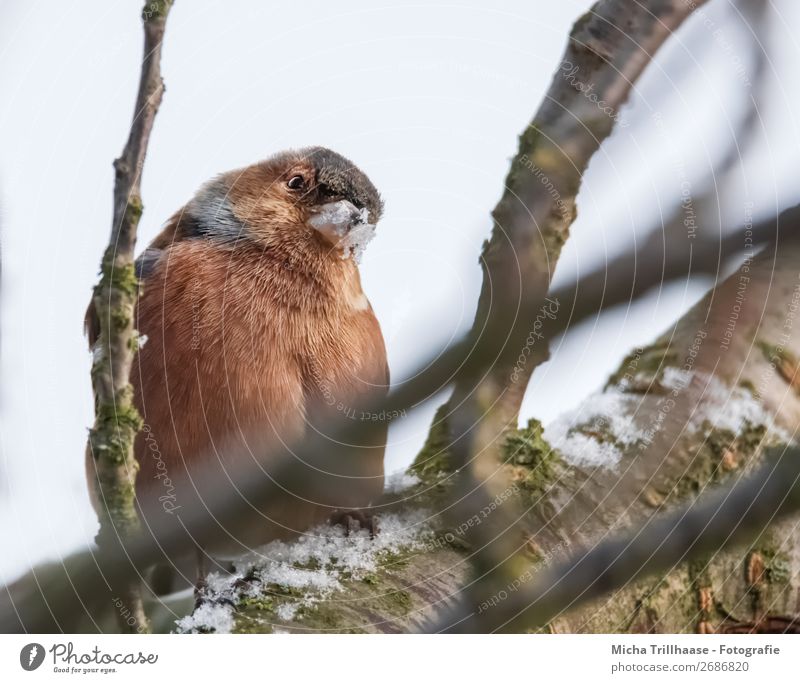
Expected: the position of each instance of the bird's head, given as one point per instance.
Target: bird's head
(311, 194)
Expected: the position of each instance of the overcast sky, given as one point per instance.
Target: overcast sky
(428, 99)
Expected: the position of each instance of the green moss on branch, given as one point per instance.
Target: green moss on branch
(434, 459)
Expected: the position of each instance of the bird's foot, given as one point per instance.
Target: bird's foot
(355, 520)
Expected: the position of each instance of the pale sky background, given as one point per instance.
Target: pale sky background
(428, 99)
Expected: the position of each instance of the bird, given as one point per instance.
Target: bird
(252, 320)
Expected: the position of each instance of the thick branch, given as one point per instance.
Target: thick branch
(607, 51)
(736, 514)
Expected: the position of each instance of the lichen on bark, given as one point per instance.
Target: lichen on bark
(434, 459)
(117, 420)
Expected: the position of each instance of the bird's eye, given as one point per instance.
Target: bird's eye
(295, 182)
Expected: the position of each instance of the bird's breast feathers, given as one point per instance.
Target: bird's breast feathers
(240, 331)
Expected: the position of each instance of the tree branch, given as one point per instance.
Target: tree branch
(608, 49)
(111, 439)
(733, 515)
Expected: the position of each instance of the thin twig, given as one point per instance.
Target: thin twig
(110, 445)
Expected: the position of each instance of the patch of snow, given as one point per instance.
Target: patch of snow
(287, 610)
(628, 419)
(356, 240)
(333, 552)
(733, 409)
(676, 379)
(315, 564)
(609, 412)
(208, 617)
(400, 481)
(586, 451)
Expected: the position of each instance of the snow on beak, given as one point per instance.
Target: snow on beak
(344, 226)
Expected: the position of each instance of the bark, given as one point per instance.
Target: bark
(568, 502)
(110, 320)
(608, 49)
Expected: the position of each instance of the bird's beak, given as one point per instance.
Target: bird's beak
(343, 226)
(335, 219)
